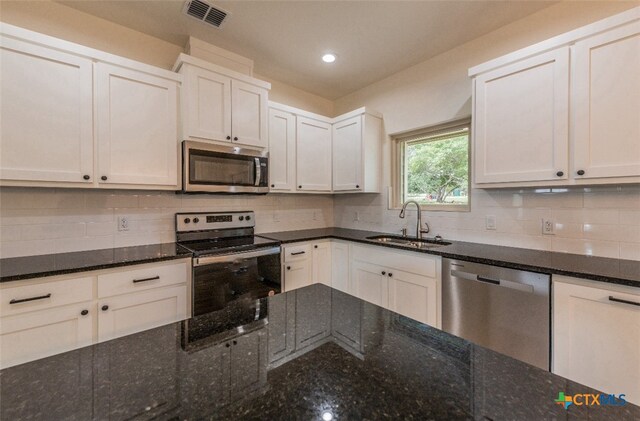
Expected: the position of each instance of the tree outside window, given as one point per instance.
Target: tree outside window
(435, 169)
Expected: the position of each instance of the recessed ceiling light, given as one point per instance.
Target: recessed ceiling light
(329, 58)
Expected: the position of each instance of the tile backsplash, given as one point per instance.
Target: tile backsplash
(600, 221)
(37, 221)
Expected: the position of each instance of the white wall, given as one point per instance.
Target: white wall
(42, 221)
(602, 221)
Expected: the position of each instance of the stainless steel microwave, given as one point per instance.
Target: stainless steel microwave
(209, 168)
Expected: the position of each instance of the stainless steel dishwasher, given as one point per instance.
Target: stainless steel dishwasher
(502, 309)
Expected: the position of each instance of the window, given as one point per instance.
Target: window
(433, 167)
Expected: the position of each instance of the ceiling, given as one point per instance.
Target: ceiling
(286, 39)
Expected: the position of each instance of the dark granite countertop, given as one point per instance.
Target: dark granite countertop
(16, 268)
(317, 352)
(617, 271)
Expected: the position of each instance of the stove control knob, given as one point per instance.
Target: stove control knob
(241, 218)
(248, 218)
(187, 220)
(196, 220)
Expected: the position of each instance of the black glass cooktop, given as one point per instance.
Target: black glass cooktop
(227, 245)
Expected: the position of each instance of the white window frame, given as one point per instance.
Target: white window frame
(399, 141)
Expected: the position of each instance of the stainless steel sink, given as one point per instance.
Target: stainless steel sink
(408, 241)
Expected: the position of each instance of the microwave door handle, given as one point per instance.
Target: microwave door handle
(258, 172)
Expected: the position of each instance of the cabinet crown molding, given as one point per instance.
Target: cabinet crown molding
(203, 64)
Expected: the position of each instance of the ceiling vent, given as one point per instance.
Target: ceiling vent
(205, 12)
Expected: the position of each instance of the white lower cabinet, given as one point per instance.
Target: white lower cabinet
(405, 282)
(297, 275)
(340, 265)
(306, 264)
(47, 316)
(40, 334)
(321, 263)
(596, 335)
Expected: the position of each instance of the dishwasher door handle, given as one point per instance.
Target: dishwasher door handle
(497, 282)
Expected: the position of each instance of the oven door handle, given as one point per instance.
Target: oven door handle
(201, 261)
(258, 172)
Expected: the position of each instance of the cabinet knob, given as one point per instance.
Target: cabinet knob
(235, 138)
(235, 342)
(86, 176)
(187, 220)
(560, 173)
(315, 247)
(227, 344)
(580, 172)
(299, 187)
(390, 274)
(288, 267)
(84, 312)
(357, 186)
(273, 185)
(384, 273)
(228, 137)
(105, 307)
(103, 178)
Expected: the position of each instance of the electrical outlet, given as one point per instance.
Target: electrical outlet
(547, 227)
(123, 223)
(490, 222)
(356, 216)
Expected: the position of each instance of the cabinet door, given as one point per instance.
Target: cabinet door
(46, 114)
(207, 104)
(126, 314)
(282, 150)
(321, 256)
(249, 114)
(606, 104)
(297, 274)
(39, 334)
(370, 283)
(413, 296)
(313, 163)
(137, 128)
(596, 340)
(248, 362)
(521, 120)
(347, 154)
(340, 266)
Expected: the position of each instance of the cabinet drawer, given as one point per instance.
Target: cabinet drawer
(412, 262)
(141, 278)
(297, 252)
(44, 295)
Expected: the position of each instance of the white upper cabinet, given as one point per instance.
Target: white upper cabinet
(73, 116)
(357, 142)
(207, 104)
(137, 128)
(606, 103)
(46, 117)
(313, 163)
(221, 105)
(282, 150)
(249, 114)
(561, 112)
(310, 153)
(521, 120)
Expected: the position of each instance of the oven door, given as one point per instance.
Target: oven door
(223, 169)
(221, 280)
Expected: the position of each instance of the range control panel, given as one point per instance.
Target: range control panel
(214, 220)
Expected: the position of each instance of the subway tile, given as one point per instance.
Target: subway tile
(64, 245)
(101, 200)
(51, 231)
(96, 229)
(10, 233)
(630, 251)
(588, 247)
(26, 248)
(629, 217)
(624, 199)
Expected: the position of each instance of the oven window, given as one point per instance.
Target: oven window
(221, 168)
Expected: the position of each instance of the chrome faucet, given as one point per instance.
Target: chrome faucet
(419, 230)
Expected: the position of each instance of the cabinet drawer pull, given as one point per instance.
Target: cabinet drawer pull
(297, 253)
(24, 300)
(620, 300)
(135, 281)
